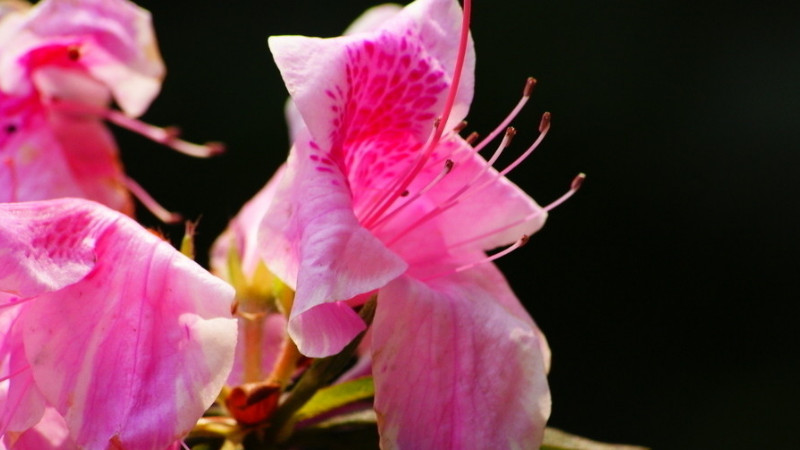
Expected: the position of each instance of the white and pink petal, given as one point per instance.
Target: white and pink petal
(453, 368)
(312, 240)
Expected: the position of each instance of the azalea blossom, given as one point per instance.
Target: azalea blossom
(381, 196)
(109, 337)
(62, 62)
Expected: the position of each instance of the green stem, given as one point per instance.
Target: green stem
(319, 374)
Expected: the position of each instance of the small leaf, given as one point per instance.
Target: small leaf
(333, 397)
(555, 439)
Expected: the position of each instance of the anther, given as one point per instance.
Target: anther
(544, 124)
(73, 52)
(472, 137)
(510, 133)
(448, 166)
(576, 184)
(461, 125)
(519, 243)
(10, 128)
(530, 83)
(526, 95)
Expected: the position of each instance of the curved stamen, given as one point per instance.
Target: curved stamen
(150, 203)
(577, 182)
(510, 133)
(13, 374)
(405, 180)
(574, 186)
(519, 243)
(464, 192)
(544, 127)
(448, 166)
(166, 136)
(526, 95)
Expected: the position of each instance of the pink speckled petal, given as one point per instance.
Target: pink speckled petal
(313, 242)
(393, 79)
(46, 248)
(133, 350)
(454, 368)
(373, 18)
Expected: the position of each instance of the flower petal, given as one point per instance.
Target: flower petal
(491, 205)
(394, 78)
(455, 368)
(50, 433)
(115, 38)
(21, 403)
(47, 248)
(53, 155)
(135, 350)
(312, 241)
(242, 231)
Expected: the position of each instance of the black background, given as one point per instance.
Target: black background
(667, 286)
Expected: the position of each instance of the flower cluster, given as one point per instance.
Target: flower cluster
(362, 288)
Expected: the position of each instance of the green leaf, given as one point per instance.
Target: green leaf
(332, 397)
(555, 439)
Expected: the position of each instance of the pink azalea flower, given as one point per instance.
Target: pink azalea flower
(61, 64)
(109, 337)
(379, 196)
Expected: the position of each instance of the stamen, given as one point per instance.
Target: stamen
(472, 137)
(13, 374)
(544, 127)
(456, 196)
(166, 136)
(405, 180)
(519, 243)
(150, 203)
(16, 301)
(526, 95)
(448, 166)
(574, 186)
(461, 125)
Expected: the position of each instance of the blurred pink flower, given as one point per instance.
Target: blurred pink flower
(109, 337)
(62, 62)
(380, 195)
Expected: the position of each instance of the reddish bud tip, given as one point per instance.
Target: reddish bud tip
(530, 83)
(544, 124)
(577, 181)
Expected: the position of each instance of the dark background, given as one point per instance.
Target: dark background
(667, 285)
